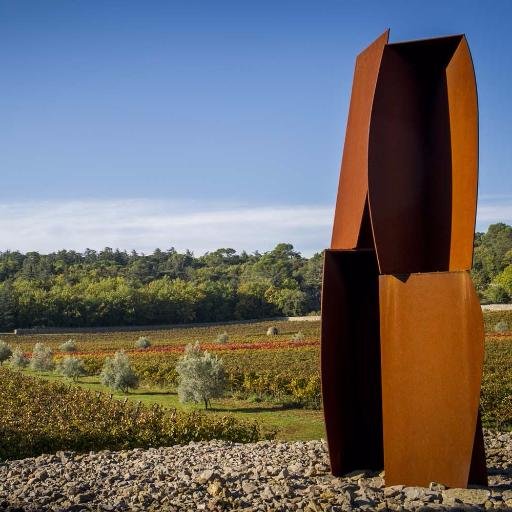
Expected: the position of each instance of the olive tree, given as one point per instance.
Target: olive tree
(19, 359)
(118, 374)
(68, 346)
(72, 367)
(42, 358)
(223, 337)
(201, 376)
(143, 342)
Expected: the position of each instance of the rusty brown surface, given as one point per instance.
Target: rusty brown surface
(406, 205)
(422, 164)
(353, 184)
(350, 360)
(463, 115)
(432, 350)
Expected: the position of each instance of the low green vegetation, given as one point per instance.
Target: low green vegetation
(496, 396)
(275, 381)
(42, 417)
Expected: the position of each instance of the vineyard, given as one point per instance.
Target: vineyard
(43, 417)
(273, 378)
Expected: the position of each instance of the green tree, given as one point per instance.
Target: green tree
(143, 342)
(19, 359)
(7, 307)
(201, 376)
(68, 346)
(42, 358)
(72, 367)
(118, 374)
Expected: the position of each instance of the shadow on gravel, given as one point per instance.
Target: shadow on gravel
(503, 473)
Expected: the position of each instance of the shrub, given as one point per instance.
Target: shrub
(72, 367)
(272, 331)
(496, 294)
(501, 326)
(118, 374)
(299, 336)
(142, 342)
(42, 417)
(68, 346)
(42, 358)
(223, 338)
(5, 351)
(201, 376)
(18, 359)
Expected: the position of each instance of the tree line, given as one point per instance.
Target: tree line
(112, 287)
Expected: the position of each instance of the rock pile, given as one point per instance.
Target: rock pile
(219, 475)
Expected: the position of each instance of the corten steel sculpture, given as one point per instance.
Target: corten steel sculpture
(402, 328)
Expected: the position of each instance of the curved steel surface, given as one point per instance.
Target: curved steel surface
(350, 360)
(463, 113)
(422, 157)
(432, 350)
(353, 184)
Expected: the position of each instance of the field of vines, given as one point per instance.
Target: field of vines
(283, 368)
(44, 417)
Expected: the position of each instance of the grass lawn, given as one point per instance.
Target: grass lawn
(292, 424)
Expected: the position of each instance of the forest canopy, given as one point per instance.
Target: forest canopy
(112, 287)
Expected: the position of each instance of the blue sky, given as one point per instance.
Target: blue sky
(138, 124)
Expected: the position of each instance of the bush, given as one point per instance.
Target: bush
(68, 346)
(501, 326)
(18, 359)
(272, 331)
(117, 373)
(142, 342)
(223, 338)
(72, 367)
(496, 392)
(201, 376)
(299, 336)
(5, 351)
(496, 294)
(42, 358)
(43, 417)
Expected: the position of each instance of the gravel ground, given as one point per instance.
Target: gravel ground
(219, 475)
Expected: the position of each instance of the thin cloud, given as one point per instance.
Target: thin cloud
(144, 224)
(491, 209)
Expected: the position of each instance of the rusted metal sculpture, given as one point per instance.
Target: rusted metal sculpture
(402, 328)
